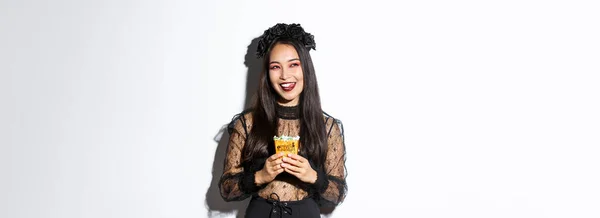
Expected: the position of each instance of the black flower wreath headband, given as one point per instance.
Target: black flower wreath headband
(284, 31)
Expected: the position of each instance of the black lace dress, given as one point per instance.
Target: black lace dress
(237, 181)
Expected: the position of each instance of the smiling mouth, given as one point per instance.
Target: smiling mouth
(287, 86)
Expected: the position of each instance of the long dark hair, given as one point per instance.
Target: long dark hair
(313, 137)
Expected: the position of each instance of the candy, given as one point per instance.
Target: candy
(286, 144)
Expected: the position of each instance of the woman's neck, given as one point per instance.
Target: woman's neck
(287, 112)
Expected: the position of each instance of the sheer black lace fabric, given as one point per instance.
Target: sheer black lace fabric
(237, 181)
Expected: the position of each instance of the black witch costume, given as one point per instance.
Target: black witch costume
(286, 195)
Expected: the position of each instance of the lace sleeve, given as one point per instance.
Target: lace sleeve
(235, 183)
(331, 183)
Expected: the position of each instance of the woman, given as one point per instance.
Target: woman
(287, 104)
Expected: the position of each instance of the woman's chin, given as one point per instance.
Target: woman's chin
(288, 101)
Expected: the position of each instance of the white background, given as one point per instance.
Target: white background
(451, 108)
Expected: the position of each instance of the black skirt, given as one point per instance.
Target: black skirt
(272, 208)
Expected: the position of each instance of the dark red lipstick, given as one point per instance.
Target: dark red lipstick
(287, 86)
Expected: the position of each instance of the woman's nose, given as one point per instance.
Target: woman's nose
(285, 74)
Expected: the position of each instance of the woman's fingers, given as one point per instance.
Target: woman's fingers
(276, 162)
(293, 165)
(293, 162)
(297, 158)
(273, 165)
(276, 169)
(296, 174)
(292, 168)
(275, 156)
(298, 166)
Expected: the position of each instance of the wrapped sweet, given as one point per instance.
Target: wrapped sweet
(286, 144)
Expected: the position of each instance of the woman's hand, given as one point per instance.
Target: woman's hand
(270, 170)
(300, 167)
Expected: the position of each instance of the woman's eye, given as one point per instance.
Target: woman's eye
(274, 67)
(295, 65)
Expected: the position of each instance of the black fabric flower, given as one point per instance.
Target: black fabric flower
(283, 31)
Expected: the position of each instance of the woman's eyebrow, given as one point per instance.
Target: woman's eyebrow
(290, 60)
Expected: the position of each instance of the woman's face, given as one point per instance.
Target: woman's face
(285, 74)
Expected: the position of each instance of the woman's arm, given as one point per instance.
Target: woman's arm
(331, 182)
(235, 183)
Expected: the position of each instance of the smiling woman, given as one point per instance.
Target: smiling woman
(287, 106)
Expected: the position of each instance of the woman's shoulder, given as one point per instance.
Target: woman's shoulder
(331, 122)
(245, 114)
(329, 119)
(242, 119)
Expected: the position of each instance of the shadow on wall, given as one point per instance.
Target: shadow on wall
(215, 204)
